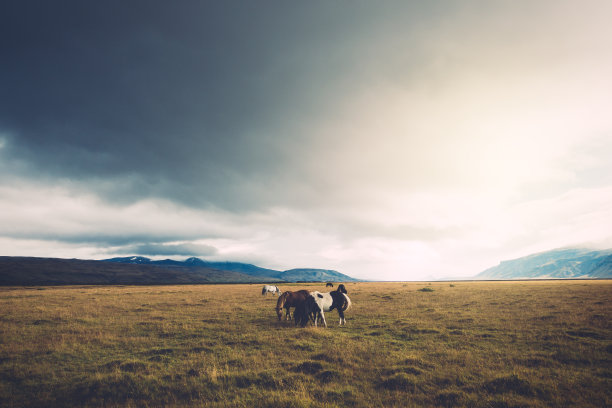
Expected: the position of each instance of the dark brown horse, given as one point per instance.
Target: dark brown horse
(290, 299)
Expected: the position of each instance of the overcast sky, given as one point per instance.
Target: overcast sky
(390, 140)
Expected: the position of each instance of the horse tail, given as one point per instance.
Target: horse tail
(347, 302)
(263, 290)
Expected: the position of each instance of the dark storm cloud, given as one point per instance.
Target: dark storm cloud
(176, 100)
(101, 91)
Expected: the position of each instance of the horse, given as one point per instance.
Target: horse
(318, 303)
(290, 299)
(270, 288)
(329, 285)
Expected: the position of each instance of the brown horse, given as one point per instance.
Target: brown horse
(290, 299)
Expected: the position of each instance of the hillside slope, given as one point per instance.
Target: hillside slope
(136, 270)
(314, 275)
(24, 271)
(567, 263)
(193, 262)
(292, 275)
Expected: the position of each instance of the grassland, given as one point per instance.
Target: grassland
(473, 344)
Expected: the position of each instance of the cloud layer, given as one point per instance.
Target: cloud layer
(392, 141)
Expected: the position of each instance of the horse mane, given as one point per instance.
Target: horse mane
(281, 300)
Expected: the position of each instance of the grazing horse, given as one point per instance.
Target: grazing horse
(270, 288)
(318, 303)
(329, 285)
(290, 299)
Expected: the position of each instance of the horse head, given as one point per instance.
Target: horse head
(280, 303)
(341, 289)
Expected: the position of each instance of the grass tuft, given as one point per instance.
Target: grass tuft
(511, 383)
(309, 367)
(328, 376)
(398, 382)
(449, 399)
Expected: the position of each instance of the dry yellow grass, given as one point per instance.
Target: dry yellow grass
(473, 344)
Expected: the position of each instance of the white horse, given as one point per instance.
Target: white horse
(271, 289)
(325, 302)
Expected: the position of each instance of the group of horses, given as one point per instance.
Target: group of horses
(310, 306)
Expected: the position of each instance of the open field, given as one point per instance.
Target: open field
(473, 344)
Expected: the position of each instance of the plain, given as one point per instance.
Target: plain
(446, 344)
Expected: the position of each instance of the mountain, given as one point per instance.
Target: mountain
(138, 270)
(243, 268)
(567, 263)
(24, 271)
(263, 274)
(314, 275)
(247, 269)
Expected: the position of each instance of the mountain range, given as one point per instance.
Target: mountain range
(137, 270)
(262, 274)
(566, 263)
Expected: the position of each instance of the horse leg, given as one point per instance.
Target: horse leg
(341, 314)
(287, 313)
(323, 318)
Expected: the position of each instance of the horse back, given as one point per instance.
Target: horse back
(298, 297)
(292, 299)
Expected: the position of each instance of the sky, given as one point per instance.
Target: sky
(388, 140)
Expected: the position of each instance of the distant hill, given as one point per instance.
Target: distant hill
(53, 271)
(568, 263)
(314, 275)
(243, 268)
(292, 275)
(137, 270)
